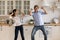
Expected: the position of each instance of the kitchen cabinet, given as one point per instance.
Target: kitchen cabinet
(53, 33)
(27, 32)
(4, 33)
(56, 33)
(39, 35)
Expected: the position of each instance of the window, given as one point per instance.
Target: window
(2, 7)
(26, 6)
(9, 6)
(6, 6)
(18, 5)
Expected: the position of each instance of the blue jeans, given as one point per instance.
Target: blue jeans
(36, 28)
(19, 28)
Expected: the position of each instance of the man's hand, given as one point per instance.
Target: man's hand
(44, 10)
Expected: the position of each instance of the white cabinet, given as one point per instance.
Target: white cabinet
(27, 32)
(39, 35)
(53, 33)
(4, 33)
(56, 33)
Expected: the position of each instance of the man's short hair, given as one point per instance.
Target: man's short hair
(36, 6)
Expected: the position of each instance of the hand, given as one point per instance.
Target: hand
(43, 9)
(22, 15)
(30, 12)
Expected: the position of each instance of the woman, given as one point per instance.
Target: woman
(17, 23)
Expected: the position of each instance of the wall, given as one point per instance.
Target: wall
(50, 12)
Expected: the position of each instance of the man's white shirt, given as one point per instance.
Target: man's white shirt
(37, 16)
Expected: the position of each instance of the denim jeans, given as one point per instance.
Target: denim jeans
(19, 28)
(36, 28)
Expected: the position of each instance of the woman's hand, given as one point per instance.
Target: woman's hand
(30, 12)
(22, 15)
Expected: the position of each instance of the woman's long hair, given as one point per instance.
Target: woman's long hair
(13, 13)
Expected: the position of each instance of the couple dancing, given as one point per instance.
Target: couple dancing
(38, 22)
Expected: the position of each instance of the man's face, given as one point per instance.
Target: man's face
(36, 9)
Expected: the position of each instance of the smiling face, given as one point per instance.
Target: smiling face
(36, 7)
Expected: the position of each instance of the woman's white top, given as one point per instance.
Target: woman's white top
(17, 21)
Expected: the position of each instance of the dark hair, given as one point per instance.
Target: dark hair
(13, 12)
(10, 13)
(36, 6)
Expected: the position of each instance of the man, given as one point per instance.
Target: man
(38, 21)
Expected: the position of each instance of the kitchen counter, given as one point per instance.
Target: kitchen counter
(51, 24)
(7, 32)
(4, 24)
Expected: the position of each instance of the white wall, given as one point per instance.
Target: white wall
(50, 15)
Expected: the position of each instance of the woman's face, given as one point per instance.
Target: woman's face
(16, 13)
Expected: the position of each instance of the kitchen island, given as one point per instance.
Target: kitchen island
(52, 30)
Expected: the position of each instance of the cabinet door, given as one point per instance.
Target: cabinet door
(4, 33)
(27, 32)
(49, 32)
(56, 33)
(53, 32)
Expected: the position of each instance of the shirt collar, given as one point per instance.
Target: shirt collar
(35, 12)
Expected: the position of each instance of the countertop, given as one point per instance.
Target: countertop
(51, 24)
